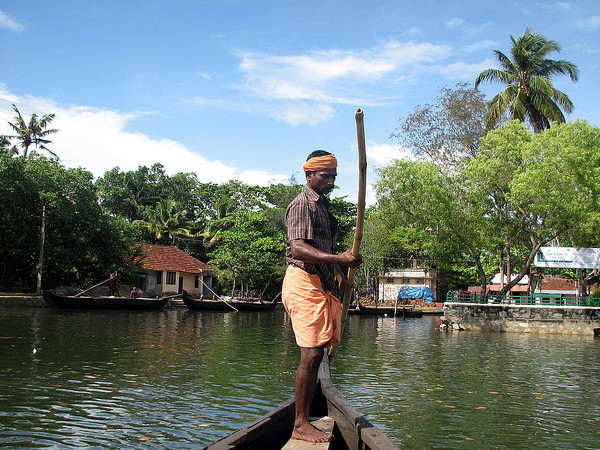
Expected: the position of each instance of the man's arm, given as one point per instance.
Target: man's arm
(305, 252)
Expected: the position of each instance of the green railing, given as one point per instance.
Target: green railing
(532, 299)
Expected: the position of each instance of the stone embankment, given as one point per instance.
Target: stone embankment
(521, 318)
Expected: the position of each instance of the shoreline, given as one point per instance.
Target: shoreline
(32, 300)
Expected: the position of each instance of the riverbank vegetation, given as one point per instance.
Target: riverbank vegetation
(483, 192)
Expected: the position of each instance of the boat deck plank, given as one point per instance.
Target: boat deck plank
(323, 424)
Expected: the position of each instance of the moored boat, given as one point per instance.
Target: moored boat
(351, 430)
(73, 302)
(197, 304)
(400, 311)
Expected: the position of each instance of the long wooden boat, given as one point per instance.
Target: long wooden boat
(196, 304)
(351, 429)
(72, 302)
(389, 311)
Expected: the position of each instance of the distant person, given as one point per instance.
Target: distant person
(114, 284)
(311, 287)
(133, 293)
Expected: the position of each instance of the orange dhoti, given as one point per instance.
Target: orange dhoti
(316, 314)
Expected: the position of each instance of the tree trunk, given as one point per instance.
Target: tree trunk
(482, 276)
(525, 270)
(508, 266)
(582, 289)
(40, 264)
(501, 267)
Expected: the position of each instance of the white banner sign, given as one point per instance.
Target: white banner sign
(568, 257)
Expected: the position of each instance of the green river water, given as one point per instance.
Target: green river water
(179, 379)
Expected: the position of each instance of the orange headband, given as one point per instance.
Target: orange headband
(320, 162)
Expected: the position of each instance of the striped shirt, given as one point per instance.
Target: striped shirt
(308, 218)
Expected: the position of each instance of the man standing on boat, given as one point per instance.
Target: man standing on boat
(311, 289)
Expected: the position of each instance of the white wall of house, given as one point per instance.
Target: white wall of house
(166, 282)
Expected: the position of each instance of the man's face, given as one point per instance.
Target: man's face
(322, 181)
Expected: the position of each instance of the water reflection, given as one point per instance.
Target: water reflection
(179, 379)
(171, 379)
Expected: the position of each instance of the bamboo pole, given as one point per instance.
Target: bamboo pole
(219, 298)
(360, 214)
(94, 286)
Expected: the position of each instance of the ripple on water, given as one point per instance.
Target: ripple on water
(178, 380)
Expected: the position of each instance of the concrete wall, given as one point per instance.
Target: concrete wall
(521, 318)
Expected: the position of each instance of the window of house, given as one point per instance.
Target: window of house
(389, 280)
(196, 281)
(170, 277)
(159, 277)
(405, 280)
(418, 281)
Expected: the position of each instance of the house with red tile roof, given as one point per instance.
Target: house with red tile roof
(164, 269)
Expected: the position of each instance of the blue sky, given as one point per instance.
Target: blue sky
(246, 89)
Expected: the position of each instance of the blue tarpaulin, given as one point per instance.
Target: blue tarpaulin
(416, 292)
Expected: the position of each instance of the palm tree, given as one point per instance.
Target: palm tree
(530, 94)
(165, 220)
(33, 133)
(223, 206)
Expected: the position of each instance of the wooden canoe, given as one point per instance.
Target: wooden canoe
(127, 303)
(389, 311)
(196, 304)
(351, 430)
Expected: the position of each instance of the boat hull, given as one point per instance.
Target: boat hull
(195, 304)
(126, 303)
(388, 311)
(351, 431)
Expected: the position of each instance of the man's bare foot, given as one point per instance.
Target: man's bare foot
(308, 432)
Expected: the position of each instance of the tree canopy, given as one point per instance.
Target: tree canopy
(82, 243)
(448, 131)
(520, 192)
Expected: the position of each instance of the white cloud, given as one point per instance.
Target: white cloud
(462, 70)
(329, 77)
(384, 154)
(304, 89)
(481, 45)
(454, 22)
(98, 140)
(590, 24)
(8, 22)
(205, 75)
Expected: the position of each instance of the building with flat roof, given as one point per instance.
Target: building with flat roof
(391, 282)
